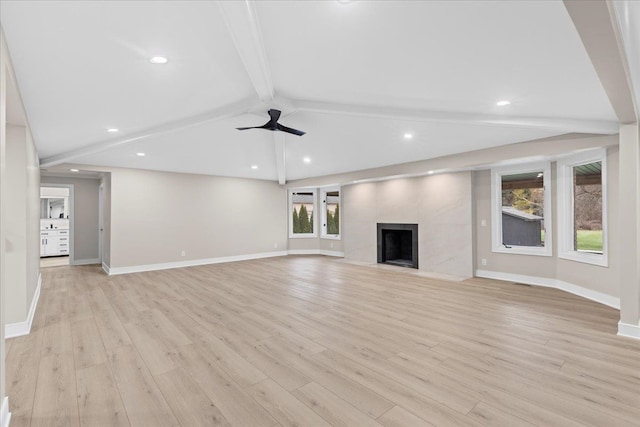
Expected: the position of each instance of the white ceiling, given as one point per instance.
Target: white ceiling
(354, 76)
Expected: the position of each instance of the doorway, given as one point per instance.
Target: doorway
(56, 224)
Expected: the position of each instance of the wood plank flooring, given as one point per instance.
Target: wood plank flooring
(315, 341)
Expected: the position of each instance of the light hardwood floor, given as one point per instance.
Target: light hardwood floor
(313, 341)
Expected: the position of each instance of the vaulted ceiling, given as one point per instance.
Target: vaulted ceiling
(356, 76)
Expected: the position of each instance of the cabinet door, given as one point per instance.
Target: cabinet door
(51, 245)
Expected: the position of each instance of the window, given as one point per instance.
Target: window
(582, 198)
(330, 213)
(302, 209)
(521, 211)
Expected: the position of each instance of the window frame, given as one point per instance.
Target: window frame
(566, 248)
(323, 199)
(314, 234)
(496, 209)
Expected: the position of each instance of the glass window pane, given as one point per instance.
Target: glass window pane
(302, 218)
(587, 207)
(523, 209)
(333, 212)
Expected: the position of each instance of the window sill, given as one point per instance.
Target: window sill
(303, 236)
(523, 250)
(330, 237)
(585, 258)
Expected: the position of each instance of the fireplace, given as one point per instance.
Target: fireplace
(398, 244)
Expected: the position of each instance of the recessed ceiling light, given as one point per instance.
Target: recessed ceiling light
(430, 172)
(159, 60)
(112, 130)
(74, 170)
(140, 154)
(254, 167)
(306, 160)
(408, 136)
(503, 103)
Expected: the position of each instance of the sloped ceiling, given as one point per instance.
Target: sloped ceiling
(355, 76)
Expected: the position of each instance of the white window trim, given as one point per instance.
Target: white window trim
(496, 209)
(315, 213)
(565, 208)
(323, 198)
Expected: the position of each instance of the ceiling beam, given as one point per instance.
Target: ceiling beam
(242, 22)
(211, 116)
(281, 166)
(596, 24)
(555, 124)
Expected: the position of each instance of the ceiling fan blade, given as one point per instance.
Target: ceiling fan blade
(289, 130)
(252, 127)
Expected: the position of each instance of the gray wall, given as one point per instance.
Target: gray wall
(85, 215)
(596, 278)
(33, 219)
(16, 225)
(439, 204)
(156, 215)
(22, 226)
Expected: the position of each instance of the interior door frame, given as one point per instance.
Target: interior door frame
(72, 216)
(100, 220)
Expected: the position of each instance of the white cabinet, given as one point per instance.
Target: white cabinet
(54, 242)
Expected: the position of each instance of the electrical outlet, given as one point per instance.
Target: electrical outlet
(275, 245)
(183, 253)
(484, 261)
(332, 246)
(483, 223)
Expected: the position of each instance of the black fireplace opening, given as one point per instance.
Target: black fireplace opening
(398, 244)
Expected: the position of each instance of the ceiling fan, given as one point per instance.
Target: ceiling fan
(273, 124)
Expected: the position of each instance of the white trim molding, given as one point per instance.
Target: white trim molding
(497, 239)
(5, 415)
(314, 213)
(628, 330)
(191, 263)
(86, 261)
(580, 291)
(12, 330)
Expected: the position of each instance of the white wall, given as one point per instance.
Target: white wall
(156, 215)
(439, 204)
(85, 215)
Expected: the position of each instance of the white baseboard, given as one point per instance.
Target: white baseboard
(191, 263)
(12, 330)
(5, 415)
(627, 330)
(315, 252)
(86, 261)
(596, 296)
